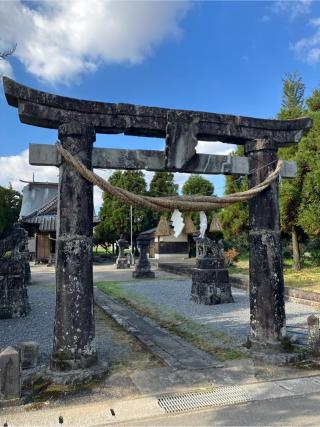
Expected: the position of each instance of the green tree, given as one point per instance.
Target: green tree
(235, 218)
(290, 192)
(10, 205)
(115, 215)
(292, 105)
(161, 185)
(308, 159)
(196, 185)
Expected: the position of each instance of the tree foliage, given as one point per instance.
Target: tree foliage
(292, 105)
(197, 185)
(235, 218)
(10, 205)
(308, 159)
(115, 215)
(161, 185)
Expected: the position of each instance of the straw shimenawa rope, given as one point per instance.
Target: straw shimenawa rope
(161, 204)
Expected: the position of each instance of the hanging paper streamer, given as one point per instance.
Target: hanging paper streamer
(203, 224)
(177, 222)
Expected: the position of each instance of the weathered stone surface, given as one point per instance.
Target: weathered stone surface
(313, 334)
(74, 345)
(47, 110)
(10, 374)
(122, 260)
(15, 274)
(143, 268)
(211, 287)
(267, 311)
(181, 139)
(14, 300)
(29, 351)
(210, 280)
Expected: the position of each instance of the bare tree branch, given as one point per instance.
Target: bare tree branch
(6, 53)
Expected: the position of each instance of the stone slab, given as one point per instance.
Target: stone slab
(168, 380)
(29, 351)
(112, 158)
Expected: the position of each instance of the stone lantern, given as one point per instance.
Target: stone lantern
(143, 267)
(122, 260)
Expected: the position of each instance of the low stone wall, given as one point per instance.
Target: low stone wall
(292, 294)
(176, 268)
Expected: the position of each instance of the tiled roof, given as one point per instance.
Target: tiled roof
(46, 222)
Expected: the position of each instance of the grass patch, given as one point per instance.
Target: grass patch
(308, 278)
(215, 343)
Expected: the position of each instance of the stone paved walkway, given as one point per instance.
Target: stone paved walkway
(169, 348)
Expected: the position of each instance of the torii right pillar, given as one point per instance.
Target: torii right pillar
(267, 310)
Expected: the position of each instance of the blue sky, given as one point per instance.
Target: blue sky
(226, 57)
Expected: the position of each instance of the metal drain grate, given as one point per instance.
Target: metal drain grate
(216, 397)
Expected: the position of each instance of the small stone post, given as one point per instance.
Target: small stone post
(29, 352)
(74, 332)
(267, 311)
(313, 334)
(10, 374)
(143, 268)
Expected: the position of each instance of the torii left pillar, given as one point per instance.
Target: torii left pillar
(74, 331)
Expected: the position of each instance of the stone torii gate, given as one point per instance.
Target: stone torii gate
(78, 121)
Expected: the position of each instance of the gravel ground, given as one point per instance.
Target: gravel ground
(112, 342)
(231, 319)
(37, 326)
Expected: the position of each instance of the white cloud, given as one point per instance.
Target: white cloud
(308, 48)
(215, 147)
(292, 8)
(14, 168)
(58, 41)
(5, 69)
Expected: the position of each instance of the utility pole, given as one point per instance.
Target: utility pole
(132, 259)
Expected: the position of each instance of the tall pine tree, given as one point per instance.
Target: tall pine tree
(292, 107)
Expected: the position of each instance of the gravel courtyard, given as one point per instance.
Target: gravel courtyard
(231, 319)
(167, 290)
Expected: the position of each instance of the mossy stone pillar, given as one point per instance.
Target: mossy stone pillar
(267, 310)
(74, 331)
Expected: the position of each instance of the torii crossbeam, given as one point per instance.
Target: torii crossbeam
(78, 121)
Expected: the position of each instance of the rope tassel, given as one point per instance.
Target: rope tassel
(166, 204)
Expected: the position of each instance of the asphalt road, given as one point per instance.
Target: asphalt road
(289, 411)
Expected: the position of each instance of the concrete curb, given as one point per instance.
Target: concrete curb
(117, 412)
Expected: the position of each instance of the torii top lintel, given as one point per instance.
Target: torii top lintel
(47, 110)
